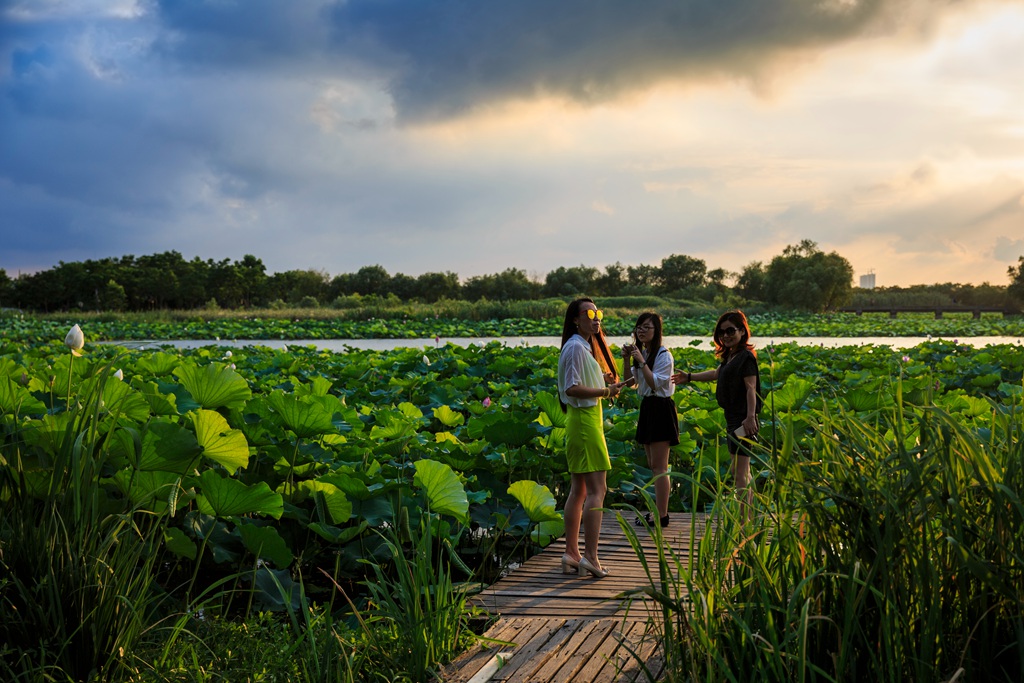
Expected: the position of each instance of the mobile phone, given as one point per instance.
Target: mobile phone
(740, 431)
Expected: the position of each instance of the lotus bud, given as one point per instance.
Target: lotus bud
(75, 340)
(284, 347)
(23, 380)
(232, 366)
(119, 374)
(487, 402)
(426, 360)
(227, 354)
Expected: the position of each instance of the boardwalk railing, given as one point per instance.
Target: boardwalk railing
(894, 311)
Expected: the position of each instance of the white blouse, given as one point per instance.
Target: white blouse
(662, 370)
(577, 365)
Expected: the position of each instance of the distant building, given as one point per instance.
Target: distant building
(867, 281)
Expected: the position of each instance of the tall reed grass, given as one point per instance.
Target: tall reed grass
(890, 550)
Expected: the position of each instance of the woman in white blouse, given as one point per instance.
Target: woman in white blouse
(657, 428)
(586, 374)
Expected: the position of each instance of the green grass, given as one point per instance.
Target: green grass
(891, 550)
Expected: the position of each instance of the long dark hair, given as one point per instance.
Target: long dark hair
(740, 321)
(598, 344)
(652, 348)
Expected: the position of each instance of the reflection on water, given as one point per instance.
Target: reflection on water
(343, 345)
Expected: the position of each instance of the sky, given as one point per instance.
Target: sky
(474, 136)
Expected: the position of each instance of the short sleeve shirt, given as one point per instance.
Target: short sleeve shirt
(577, 365)
(662, 371)
(730, 389)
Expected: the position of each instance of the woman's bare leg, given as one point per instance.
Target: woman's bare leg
(595, 487)
(657, 460)
(574, 514)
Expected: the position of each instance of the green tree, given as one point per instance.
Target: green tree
(612, 281)
(570, 282)
(751, 281)
(679, 272)
(253, 277)
(642, 279)
(6, 289)
(1016, 286)
(403, 286)
(431, 287)
(511, 284)
(113, 297)
(370, 280)
(295, 285)
(805, 277)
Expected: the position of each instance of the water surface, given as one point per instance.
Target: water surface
(343, 345)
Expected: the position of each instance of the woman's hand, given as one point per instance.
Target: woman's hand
(637, 356)
(751, 425)
(609, 378)
(614, 389)
(680, 377)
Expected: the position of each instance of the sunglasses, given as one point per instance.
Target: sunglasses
(728, 331)
(591, 313)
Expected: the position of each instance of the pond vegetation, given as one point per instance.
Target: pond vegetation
(159, 505)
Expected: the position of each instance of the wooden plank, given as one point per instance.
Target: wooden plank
(553, 649)
(584, 654)
(568, 627)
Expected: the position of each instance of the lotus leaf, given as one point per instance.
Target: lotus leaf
(147, 488)
(335, 534)
(536, 499)
(448, 417)
(158, 364)
(545, 532)
(223, 497)
(265, 543)
(445, 492)
(17, 400)
(159, 402)
(304, 416)
(219, 441)
(334, 501)
(180, 544)
(552, 408)
(214, 385)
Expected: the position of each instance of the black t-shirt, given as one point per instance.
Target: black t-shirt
(731, 391)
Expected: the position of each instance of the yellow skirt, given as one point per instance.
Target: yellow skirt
(585, 447)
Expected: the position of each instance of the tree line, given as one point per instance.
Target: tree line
(802, 277)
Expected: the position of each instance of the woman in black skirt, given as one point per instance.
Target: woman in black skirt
(651, 365)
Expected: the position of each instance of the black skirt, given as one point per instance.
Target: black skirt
(658, 421)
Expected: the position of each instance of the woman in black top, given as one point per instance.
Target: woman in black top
(738, 382)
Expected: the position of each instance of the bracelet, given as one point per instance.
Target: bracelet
(689, 377)
(607, 392)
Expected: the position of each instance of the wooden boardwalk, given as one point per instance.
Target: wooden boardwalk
(566, 627)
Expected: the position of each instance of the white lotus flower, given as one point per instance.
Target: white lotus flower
(227, 354)
(119, 374)
(75, 340)
(426, 360)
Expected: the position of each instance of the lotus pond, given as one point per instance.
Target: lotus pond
(618, 323)
(290, 462)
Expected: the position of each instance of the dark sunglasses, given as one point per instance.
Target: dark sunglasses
(728, 331)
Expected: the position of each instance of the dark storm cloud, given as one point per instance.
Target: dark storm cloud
(456, 54)
(446, 57)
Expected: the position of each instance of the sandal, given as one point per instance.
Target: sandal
(647, 520)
